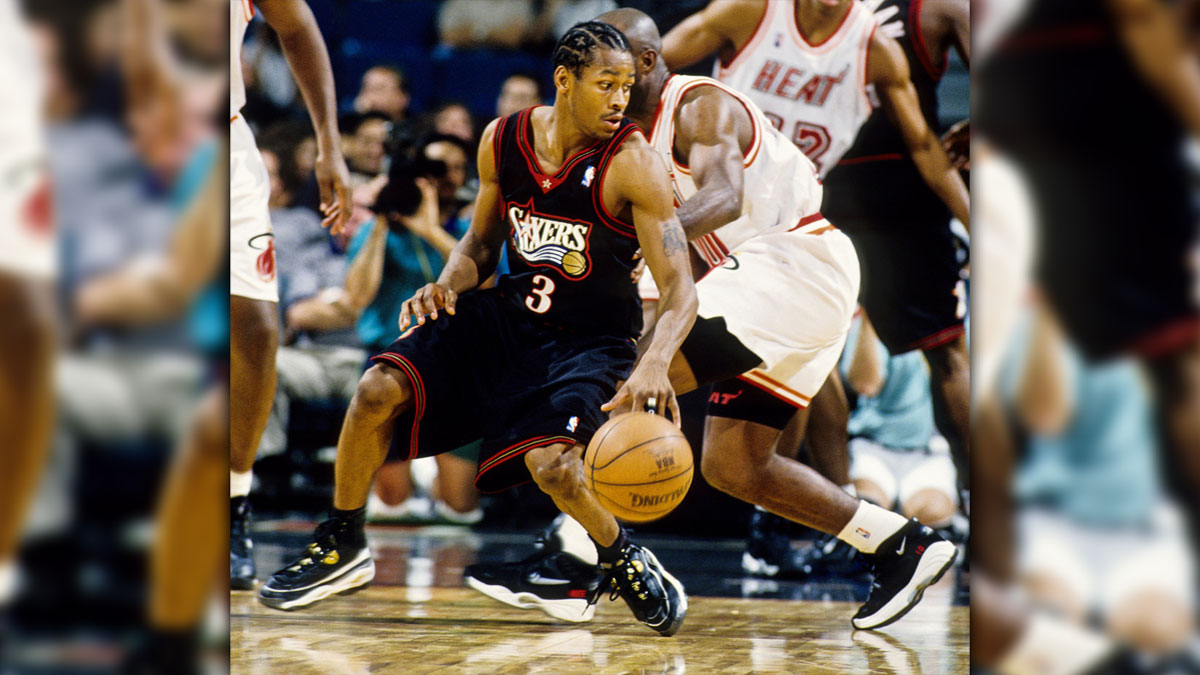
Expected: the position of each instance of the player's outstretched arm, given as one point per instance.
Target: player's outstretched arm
(302, 44)
(638, 176)
(476, 255)
(708, 132)
(724, 25)
(889, 72)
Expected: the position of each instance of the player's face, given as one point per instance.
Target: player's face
(599, 96)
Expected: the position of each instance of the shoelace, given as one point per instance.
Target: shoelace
(610, 582)
(316, 551)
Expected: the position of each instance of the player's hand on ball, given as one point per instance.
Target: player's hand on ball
(428, 300)
(333, 179)
(648, 387)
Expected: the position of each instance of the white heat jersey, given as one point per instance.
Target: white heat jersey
(27, 245)
(816, 94)
(780, 186)
(240, 14)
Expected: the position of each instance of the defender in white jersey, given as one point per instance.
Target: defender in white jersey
(254, 330)
(817, 68)
(783, 297)
(27, 270)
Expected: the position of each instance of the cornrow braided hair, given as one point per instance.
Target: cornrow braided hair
(576, 48)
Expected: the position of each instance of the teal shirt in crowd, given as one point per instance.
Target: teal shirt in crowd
(408, 264)
(901, 415)
(1103, 467)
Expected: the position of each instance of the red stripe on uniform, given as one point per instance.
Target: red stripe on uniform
(418, 389)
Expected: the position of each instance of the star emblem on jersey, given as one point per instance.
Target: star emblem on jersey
(546, 184)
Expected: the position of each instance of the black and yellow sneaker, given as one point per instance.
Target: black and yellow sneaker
(904, 565)
(656, 598)
(241, 549)
(338, 561)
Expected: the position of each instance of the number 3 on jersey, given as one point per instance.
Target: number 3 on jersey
(542, 302)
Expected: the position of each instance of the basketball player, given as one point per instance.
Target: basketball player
(745, 183)
(893, 189)
(528, 365)
(252, 284)
(27, 271)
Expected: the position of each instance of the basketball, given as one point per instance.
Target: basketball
(639, 465)
(574, 263)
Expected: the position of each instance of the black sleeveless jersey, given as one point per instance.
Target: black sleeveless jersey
(569, 259)
(876, 180)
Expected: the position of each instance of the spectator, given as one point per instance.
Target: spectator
(452, 152)
(519, 91)
(506, 24)
(270, 87)
(384, 90)
(897, 461)
(364, 142)
(453, 119)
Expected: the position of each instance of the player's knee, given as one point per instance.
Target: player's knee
(931, 506)
(254, 328)
(381, 392)
(554, 470)
(723, 471)
(1152, 621)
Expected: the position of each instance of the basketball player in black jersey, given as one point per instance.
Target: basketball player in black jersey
(574, 189)
(712, 131)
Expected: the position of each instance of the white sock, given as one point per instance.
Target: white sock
(851, 490)
(575, 540)
(1052, 646)
(239, 483)
(871, 525)
(8, 582)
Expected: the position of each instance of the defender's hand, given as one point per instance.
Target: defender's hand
(957, 143)
(333, 180)
(428, 300)
(648, 387)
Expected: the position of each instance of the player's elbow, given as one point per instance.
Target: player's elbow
(865, 384)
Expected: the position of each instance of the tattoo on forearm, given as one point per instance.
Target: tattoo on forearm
(673, 239)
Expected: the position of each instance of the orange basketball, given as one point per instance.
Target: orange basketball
(639, 465)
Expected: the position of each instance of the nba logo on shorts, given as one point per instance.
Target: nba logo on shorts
(862, 533)
(572, 423)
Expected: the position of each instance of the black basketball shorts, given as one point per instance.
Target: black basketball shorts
(490, 373)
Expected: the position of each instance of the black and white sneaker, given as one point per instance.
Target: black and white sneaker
(337, 561)
(551, 580)
(241, 549)
(656, 598)
(904, 565)
(555, 582)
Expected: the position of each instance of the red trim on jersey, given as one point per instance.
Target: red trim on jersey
(658, 109)
(770, 385)
(842, 24)
(807, 220)
(497, 141)
(743, 49)
(546, 181)
(944, 336)
(606, 218)
(923, 55)
(418, 385)
(1168, 339)
(887, 156)
(516, 450)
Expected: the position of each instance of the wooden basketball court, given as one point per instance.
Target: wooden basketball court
(417, 618)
